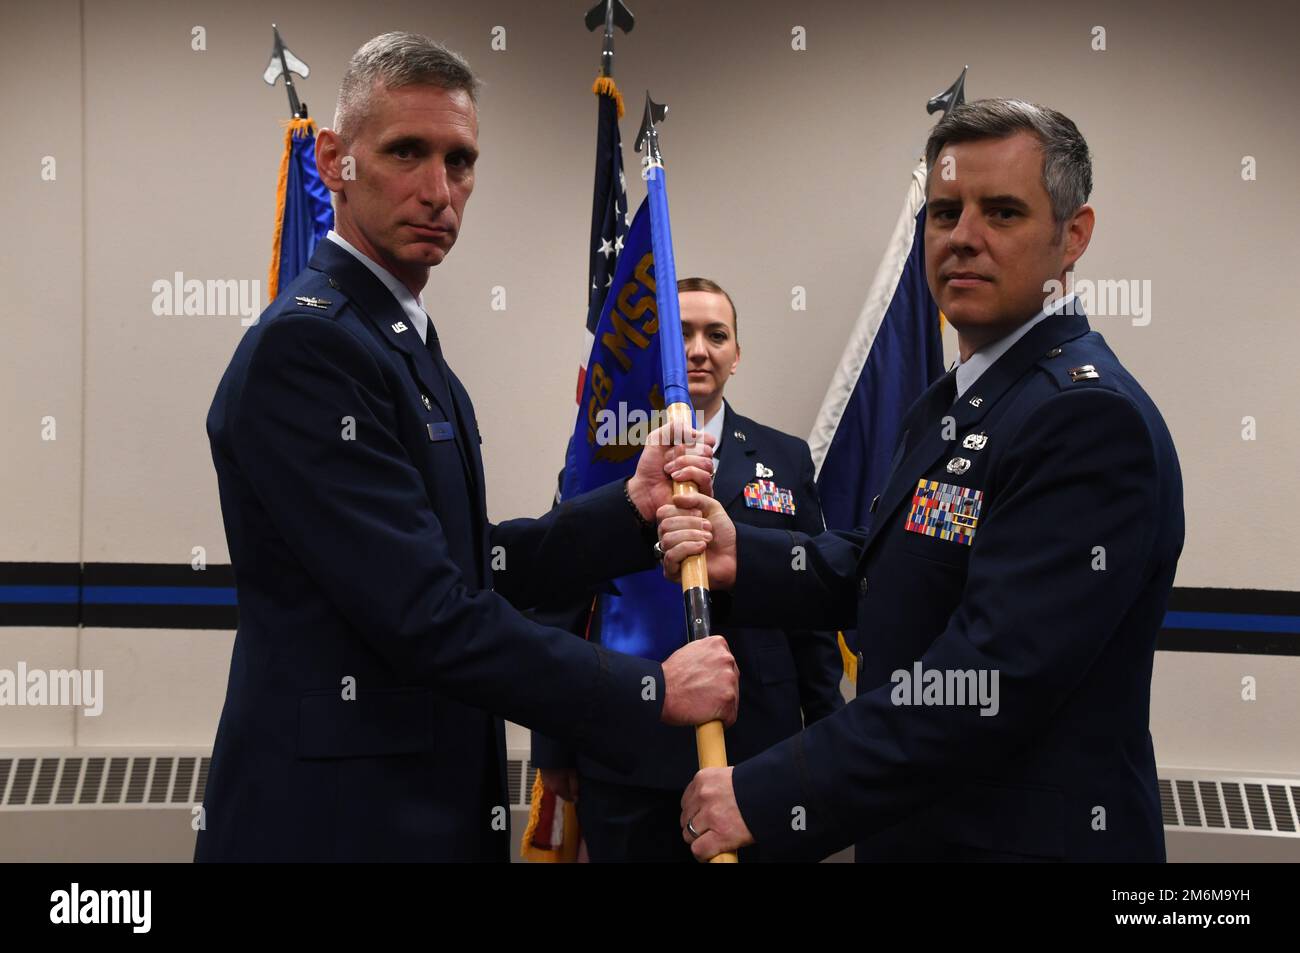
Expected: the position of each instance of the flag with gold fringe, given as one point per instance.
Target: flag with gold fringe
(303, 213)
(552, 833)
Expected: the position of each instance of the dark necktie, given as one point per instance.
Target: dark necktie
(937, 407)
(449, 392)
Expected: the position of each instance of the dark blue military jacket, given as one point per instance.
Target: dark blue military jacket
(377, 649)
(1028, 531)
(787, 676)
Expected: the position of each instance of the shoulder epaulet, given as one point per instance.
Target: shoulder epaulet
(320, 296)
(1073, 366)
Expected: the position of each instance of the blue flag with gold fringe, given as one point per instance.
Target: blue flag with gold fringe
(303, 212)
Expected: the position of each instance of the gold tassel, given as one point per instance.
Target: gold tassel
(605, 86)
(849, 660)
(567, 852)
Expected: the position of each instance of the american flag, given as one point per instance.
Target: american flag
(552, 834)
(608, 215)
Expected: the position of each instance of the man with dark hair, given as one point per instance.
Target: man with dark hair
(789, 677)
(1009, 592)
(379, 644)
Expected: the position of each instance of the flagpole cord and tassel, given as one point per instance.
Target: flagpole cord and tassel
(605, 86)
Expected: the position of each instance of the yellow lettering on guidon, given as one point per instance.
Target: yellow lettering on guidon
(623, 336)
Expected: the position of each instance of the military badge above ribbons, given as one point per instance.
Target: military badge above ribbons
(946, 511)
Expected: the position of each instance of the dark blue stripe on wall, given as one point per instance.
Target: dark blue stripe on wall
(1242, 621)
(27, 595)
(118, 595)
(159, 595)
(1232, 622)
(176, 596)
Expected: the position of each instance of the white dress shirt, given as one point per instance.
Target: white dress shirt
(714, 426)
(969, 370)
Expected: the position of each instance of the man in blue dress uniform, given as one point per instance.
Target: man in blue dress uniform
(1010, 589)
(379, 645)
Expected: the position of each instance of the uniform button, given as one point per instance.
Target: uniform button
(1054, 352)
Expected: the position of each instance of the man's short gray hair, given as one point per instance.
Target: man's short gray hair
(397, 59)
(1067, 166)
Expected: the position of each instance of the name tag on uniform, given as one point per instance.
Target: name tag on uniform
(766, 495)
(440, 431)
(945, 511)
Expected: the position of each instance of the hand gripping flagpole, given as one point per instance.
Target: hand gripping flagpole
(709, 739)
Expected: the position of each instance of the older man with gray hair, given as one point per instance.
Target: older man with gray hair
(379, 641)
(1009, 591)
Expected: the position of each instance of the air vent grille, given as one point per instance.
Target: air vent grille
(1227, 805)
(80, 781)
(56, 781)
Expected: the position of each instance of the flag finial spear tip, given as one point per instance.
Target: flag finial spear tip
(610, 14)
(648, 135)
(953, 96)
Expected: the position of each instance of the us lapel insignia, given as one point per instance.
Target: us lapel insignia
(399, 327)
(766, 495)
(738, 435)
(945, 511)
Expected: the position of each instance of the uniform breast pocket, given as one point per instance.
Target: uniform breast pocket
(937, 550)
(766, 519)
(377, 723)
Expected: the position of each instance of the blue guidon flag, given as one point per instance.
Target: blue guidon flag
(620, 402)
(620, 387)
